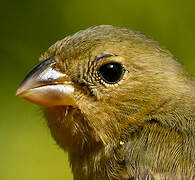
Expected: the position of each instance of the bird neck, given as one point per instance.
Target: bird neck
(146, 147)
(101, 163)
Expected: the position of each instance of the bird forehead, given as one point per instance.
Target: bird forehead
(86, 52)
(95, 36)
(86, 45)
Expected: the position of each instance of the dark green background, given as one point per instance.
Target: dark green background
(28, 28)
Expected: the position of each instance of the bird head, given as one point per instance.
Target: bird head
(100, 83)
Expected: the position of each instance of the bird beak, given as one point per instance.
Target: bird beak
(46, 86)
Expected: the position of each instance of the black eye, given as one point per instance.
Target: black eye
(111, 72)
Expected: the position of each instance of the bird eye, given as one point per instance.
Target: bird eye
(111, 72)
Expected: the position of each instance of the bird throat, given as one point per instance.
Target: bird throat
(71, 131)
(86, 151)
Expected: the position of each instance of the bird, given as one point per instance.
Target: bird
(119, 103)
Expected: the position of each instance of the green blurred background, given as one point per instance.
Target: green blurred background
(28, 28)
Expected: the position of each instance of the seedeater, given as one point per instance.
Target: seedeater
(119, 103)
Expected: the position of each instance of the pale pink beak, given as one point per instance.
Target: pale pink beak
(46, 86)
